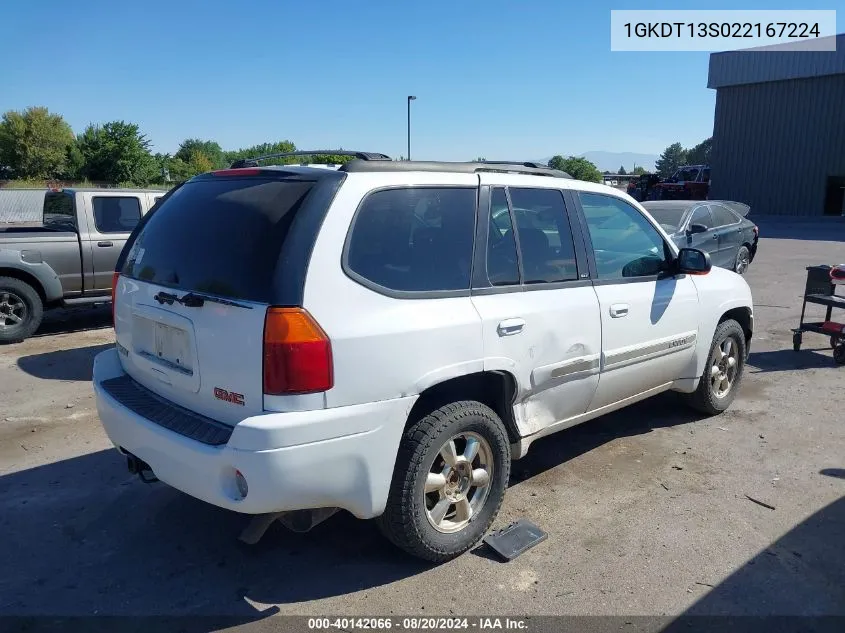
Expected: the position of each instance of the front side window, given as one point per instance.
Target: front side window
(113, 214)
(722, 216)
(545, 237)
(415, 239)
(625, 243)
(701, 215)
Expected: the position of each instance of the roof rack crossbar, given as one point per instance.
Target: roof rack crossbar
(473, 167)
(253, 162)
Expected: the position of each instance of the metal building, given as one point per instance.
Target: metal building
(779, 130)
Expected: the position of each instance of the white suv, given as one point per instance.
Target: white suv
(386, 337)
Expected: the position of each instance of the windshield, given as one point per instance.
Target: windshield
(668, 217)
(685, 175)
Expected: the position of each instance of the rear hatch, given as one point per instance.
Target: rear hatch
(193, 291)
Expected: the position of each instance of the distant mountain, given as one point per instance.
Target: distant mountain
(610, 161)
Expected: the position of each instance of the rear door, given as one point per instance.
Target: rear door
(111, 218)
(538, 309)
(220, 236)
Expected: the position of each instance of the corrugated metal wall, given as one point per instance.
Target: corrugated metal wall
(775, 144)
(21, 205)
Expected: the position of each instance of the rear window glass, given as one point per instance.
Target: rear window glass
(221, 237)
(415, 239)
(58, 211)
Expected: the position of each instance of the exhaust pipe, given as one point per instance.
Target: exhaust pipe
(141, 468)
(299, 521)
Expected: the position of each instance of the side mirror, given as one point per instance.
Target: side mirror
(696, 228)
(692, 261)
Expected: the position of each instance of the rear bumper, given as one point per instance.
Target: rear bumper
(341, 457)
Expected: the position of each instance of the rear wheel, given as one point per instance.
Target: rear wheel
(21, 310)
(743, 259)
(450, 478)
(839, 354)
(723, 372)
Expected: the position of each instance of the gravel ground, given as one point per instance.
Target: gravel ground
(647, 509)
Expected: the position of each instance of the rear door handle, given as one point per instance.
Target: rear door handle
(509, 327)
(105, 244)
(618, 310)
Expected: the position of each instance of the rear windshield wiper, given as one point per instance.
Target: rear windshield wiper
(195, 300)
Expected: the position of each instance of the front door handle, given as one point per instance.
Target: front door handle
(715, 237)
(509, 327)
(618, 310)
(105, 244)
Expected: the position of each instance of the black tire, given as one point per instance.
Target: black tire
(705, 398)
(839, 354)
(834, 341)
(796, 341)
(18, 299)
(742, 261)
(405, 522)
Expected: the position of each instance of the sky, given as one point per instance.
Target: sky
(516, 80)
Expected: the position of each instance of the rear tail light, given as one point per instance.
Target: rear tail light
(114, 279)
(297, 353)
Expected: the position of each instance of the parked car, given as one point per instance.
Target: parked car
(690, 182)
(718, 227)
(69, 260)
(386, 337)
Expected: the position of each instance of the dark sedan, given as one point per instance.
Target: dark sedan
(719, 227)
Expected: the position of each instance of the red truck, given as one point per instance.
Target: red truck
(690, 182)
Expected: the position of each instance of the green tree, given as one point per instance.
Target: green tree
(211, 149)
(35, 143)
(639, 170)
(700, 154)
(672, 157)
(577, 167)
(117, 152)
(622, 171)
(263, 149)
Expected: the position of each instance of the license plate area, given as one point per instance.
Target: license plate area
(171, 347)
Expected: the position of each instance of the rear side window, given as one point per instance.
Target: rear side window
(722, 216)
(59, 210)
(545, 238)
(113, 214)
(221, 237)
(502, 261)
(416, 239)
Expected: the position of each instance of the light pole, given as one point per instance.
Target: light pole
(410, 98)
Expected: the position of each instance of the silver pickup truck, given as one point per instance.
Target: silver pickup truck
(69, 260)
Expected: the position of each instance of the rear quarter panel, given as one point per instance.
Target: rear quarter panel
(385, 347)
(52, 258)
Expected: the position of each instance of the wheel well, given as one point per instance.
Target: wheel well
(743, 317)
(26, 278)
(495, 389)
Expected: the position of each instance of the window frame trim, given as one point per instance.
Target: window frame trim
(100, 231)
(596, 281)
(407, 294)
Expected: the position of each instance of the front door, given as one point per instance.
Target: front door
(649, 320)
(729, 233)
(540, 317)
(707, 241)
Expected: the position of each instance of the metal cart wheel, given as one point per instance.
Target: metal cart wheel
(839, 354)
(796, 341)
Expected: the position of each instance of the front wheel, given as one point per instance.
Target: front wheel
(723, 372)
(449, 481)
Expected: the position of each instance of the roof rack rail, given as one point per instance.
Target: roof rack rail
(528, 168)
(253, 162)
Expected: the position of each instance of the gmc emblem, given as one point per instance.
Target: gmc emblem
(229, 396)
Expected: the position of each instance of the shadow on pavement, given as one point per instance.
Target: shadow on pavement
(839, 473)
(67, 364)
(79, 319)
(828, 231)
(790, 360)
(801, 575)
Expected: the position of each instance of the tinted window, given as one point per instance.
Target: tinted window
(221, 236)
(415, 239)
(669, 217)
(502, 266)
(722, 216)
(701, 215)
(58, 210)
(113, 214)
(625, 243)
(545, 239)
